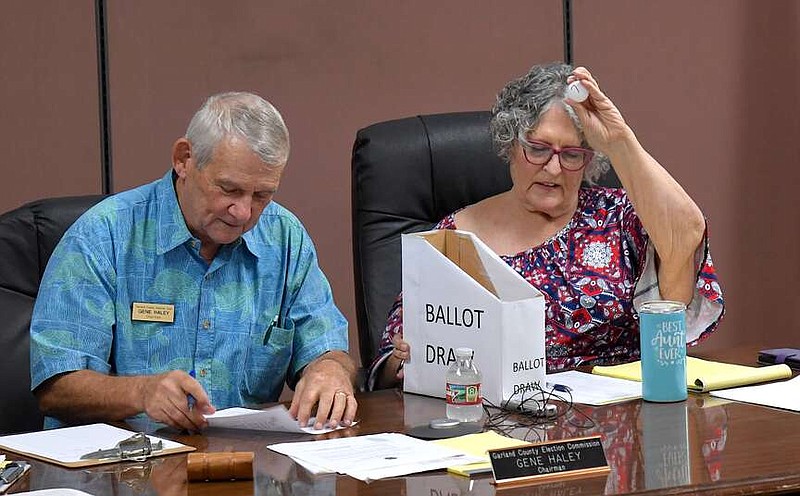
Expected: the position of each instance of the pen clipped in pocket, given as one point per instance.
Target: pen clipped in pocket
(268, 333)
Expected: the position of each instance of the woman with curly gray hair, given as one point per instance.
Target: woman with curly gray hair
(594, 252)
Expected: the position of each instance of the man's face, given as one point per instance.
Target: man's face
(224, 199)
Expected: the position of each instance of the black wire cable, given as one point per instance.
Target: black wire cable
(528, 410)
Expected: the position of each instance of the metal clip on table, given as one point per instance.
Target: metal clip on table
(137, 448)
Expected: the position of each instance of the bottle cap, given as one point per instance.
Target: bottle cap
(443, 423)
(464, 351)
(425, 431)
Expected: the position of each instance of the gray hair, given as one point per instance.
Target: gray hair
(523, 101)
(239, 115)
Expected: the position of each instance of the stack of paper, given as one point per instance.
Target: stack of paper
(275, 418)
(590, 389)
(705, 375)
(58, 491)
(783, 394)
(478, 445)
(373, 457)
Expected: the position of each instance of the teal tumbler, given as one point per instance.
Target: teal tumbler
(662, 332)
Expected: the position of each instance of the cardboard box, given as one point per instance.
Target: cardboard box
(458, 293)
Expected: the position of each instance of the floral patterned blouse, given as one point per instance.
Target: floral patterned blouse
(593, 273)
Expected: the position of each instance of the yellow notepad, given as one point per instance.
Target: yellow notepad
(479, 445)
(705, 375)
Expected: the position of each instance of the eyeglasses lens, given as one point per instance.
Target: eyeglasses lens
(539, 153)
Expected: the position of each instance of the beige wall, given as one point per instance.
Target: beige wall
(49, 117)
(711, 89)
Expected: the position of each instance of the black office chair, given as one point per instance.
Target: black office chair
(407, 175)
(28, 236)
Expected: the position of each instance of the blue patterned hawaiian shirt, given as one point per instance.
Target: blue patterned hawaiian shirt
(246, 323)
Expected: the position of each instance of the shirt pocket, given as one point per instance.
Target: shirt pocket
(269, 356)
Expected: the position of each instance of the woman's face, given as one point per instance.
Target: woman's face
(548, 189)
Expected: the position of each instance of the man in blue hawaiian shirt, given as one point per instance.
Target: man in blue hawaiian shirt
(193, 292)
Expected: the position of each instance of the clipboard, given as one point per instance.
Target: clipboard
(66, 446)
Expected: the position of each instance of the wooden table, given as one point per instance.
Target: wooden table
(701, 446)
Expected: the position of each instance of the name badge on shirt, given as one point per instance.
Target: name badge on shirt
(153, 312)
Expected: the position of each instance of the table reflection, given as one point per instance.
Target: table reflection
(665, 443)
(712, 431)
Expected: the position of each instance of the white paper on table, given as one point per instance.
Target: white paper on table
(375, 456)
(592, 389)
(58, 491)
(783, 394)
(275, 418)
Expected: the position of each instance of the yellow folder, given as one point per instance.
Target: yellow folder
(705, 375)
(479, 445)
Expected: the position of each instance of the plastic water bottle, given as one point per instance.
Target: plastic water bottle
(464, 399)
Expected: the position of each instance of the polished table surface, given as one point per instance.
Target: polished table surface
(701, 446)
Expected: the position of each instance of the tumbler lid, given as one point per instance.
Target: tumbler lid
(662, 306)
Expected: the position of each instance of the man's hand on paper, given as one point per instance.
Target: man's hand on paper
(327, 382)
(166, 398)
(340, 433)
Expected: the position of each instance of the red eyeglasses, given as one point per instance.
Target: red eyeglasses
(571, 158)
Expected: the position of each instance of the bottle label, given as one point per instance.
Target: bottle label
(464, 394)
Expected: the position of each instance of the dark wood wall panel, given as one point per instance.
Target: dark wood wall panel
(711, 89)
(331, 68)
(48, 86)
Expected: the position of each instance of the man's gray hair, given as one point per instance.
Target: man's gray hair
(243, 116)
(523, 101)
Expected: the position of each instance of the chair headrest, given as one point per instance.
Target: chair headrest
(30, 233)
(407, 175)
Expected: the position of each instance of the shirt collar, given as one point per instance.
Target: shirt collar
(172, 228)
(253, 244)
